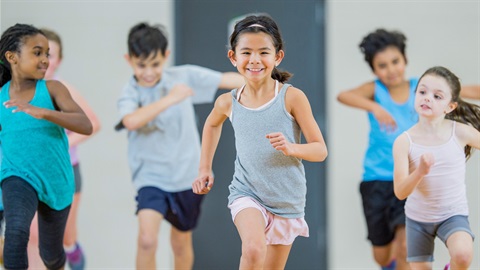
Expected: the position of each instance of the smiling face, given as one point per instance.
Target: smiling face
(389, 66)
(433, 97)
(148, 71)
(255, 56)
(31, 62)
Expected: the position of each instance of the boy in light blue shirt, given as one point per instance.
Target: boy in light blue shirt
(156, 107)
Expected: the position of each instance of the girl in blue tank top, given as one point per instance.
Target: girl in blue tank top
(268, 190)
(35, 171)
(388, 101)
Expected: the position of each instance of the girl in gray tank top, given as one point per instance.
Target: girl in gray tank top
(268, 119)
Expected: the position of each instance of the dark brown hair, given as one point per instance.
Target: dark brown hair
(465, 112)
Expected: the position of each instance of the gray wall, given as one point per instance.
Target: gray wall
(94, 34)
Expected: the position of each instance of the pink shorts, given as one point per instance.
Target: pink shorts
(278, 230)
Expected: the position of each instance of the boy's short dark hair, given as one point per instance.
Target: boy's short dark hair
(379, 40)
(143, 40)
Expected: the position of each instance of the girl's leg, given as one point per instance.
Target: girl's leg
(250, 224)
(34, 260)
(20, 202)
(70, 238)
(182, 248)
(383, 254)
(75, 255)
(400, 249)
(460, 247)
(421, 266)
(277, 256)
(51, 229)
(149, 224)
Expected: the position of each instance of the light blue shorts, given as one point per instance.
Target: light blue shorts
(421, 236)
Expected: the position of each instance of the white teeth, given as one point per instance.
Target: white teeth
(255, 69)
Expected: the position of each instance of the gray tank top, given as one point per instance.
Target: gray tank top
(276, 181)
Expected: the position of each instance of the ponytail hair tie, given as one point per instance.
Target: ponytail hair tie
(1, 62)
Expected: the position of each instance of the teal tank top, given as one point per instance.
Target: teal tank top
(36, 150)
(378, 162)
(274, 180)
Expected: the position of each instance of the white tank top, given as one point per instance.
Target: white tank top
(442, 192)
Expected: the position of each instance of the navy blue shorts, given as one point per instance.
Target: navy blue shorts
(383, 211)
(181, 209)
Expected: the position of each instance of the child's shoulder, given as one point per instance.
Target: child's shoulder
(225, 98)
(223, 104)
(293, 91)
(367, 88)
(295, 97)
(55, 86)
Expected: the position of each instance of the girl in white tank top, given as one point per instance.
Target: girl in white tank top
(429, 169)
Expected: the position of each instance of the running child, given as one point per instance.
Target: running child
(156, 107)
(429, 170)
(268, 190)
(36, 174)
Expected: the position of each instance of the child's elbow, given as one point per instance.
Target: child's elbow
(89, 128)
(399, 194)
(130, 124)
(323, 155)
(96, 126)
(341, 97)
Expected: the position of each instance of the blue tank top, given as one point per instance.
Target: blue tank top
(378, 162)
(276, 181)
(36, 150)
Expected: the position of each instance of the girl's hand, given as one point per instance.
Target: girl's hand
(278, 141)
(180, 92)
(426, 162)
(386, 121)
(203, 184)
(25, 107)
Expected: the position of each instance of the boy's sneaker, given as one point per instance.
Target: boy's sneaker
(391, 266)
(76, 258)
(447, 266)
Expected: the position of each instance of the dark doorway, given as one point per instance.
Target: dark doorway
(201, 38)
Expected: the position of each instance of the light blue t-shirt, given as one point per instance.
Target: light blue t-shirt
(165, 153)
(36, 150)
(378, 162)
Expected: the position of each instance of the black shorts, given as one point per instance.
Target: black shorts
(181, 209)
(383, 211)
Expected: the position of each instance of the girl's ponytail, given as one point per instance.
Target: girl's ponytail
(466, 113)
(5, 74)
(280, 75)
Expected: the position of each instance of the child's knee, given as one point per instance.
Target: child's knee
(462, 259)
(253, 251)
(17, 235)
(54, 263)
(147, 241)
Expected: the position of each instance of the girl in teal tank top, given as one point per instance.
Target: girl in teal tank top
(35, 168)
